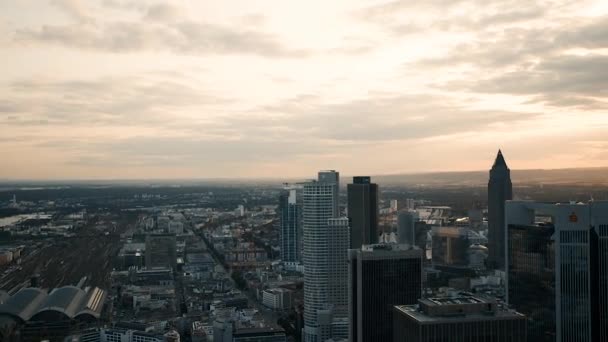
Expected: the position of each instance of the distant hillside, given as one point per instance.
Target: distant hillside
(582, 176)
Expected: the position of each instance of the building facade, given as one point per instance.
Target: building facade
(363, 211)
(380, 277)
(463, 318)
(290, 224)
(580, 276)
(326, 241)
(406, 226)
(161, 250)
(500, 190)
(531, 274)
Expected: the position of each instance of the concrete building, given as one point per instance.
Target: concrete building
(461, 318)
(326, 241)
(363, 211)
(406, 226)
(394, 205)
(560, 266)
(500, 190)
(161, 250)
(380, 277)
(259, 335)
(290, 211)
(115, 335)
(277, 298)
(176, 227)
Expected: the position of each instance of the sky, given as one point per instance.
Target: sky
(137, 89)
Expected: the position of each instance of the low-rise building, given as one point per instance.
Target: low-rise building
(277, 298)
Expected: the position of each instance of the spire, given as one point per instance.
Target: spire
(500, 161)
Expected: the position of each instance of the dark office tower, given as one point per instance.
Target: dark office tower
(531, 274)
(460, 318)
(500, 190)
(581, 265)
(380, 277)
(289, 217)
(160, 250)
(363, 211)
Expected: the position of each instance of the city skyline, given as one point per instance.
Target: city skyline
(118, 89)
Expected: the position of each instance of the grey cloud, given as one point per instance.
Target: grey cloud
(163, 12)
(386, 117)
(74, 9)
(571, 81)
(108, 101)
(398, 17)
(162, 29)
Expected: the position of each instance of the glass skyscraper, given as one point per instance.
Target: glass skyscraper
(380, 277)
(363, 211)
(290, 224)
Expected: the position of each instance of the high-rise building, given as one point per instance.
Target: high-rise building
(289, 216)
(450, 246)
(406, 226)
(326, 241)
(500, 190)
(531, 274)
(363, 211)
(580, 264)
(161, 250)
(461, 318)
(380, 277)
(338, 238)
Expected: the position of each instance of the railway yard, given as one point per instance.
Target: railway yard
(60, 261)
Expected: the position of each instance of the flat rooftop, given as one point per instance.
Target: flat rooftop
(413, 312)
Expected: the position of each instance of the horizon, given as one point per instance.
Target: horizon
(152, 89)
(282, 179)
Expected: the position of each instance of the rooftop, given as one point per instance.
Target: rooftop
(461, 307)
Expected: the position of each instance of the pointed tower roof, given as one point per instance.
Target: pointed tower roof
(500, 161)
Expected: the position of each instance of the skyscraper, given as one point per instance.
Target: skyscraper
(500, 190)
(325, 252)
(363, 211)
(380, 277)
(289, 217)
(406, 226)
(580, 258)
(531, 274)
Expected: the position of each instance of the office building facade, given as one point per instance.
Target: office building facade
(160, 250)
(500, 190)
(363, 211)
(290, 211)
(326, 241)
(464, 318)
(406, 226)
(380, 277)
(531, 274)
(580, 276)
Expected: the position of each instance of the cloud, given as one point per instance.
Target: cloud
(74, 8)
(397, 17)
(162, 27)
(386, 117)
(184, 37)
(138, 100)
(163, 12)
(567, 80)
